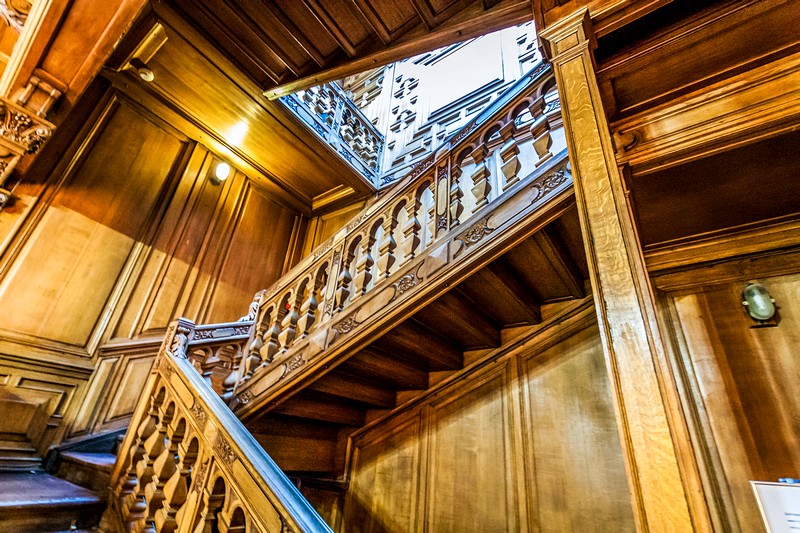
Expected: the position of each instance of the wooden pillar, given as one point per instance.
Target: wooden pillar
(661, 469)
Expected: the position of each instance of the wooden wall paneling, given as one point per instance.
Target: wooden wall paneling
(576, 473)
(94, 397)
(61, 281)
(385, 491)
(144, 311)
(254, 255)
(324, 226)
(744, 382)
(38, 404)
(470, 474)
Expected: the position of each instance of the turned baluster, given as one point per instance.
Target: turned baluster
(343, 282)
(308, 313)
(364, 268)
(411, 230)
(456, 206)
(540, 129)
(481, 186)
(176, 489)
(387, 246)
(289, 324)
(431, 229)
(163, 468)
(153, 447)
(271, 342)
(126, 495)
(212, 503)
(509, 154)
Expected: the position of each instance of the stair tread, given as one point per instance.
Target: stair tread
(19, 490)
(102, 461)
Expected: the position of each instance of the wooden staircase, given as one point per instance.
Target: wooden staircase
(306, 430)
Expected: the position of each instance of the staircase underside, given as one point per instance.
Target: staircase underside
(306, 429)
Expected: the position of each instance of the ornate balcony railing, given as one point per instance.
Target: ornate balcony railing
(187, 463)
(505, 164)
(339, 122)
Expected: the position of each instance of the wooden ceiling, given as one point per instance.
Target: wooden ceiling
(285, 45)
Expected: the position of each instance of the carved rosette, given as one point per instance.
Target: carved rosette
(245, 397)
(476, 232)
(225, 451)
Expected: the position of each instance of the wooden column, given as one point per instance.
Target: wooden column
(661, 470)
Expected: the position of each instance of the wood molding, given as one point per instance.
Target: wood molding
(750, 106)
(748, 241)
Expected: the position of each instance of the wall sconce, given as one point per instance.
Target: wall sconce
(759, 304)
(221, 172)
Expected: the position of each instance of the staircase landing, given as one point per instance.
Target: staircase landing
(38, 503)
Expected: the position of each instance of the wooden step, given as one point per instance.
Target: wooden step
(40, 503)
(89, 470)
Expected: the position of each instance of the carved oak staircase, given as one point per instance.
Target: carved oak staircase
(479, 241)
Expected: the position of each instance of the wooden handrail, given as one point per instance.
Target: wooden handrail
(508, 142)
(187, 462)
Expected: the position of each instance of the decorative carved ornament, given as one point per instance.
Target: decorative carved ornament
(245, 397)
(293, 363)
(347, 325)
(322, 251)
(361, 218)
(473, 235)
(220, 333)
(199, 414)
(441, 222)
(200, 478)
(26, 131)
(406, 283)
(550, 181)
(225, 451)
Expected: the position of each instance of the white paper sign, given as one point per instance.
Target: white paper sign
(779, 504)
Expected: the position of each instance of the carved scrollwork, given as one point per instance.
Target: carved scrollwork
(22, 129)
(549, 182)
(293, 363)
(252, 311)
(347, 325)
(200, 478)
(476, 232)
(199, 414)
(404, 284)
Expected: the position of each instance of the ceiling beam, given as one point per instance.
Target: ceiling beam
(469, 23)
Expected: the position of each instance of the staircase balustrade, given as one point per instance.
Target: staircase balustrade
(341, 124)
(440, 209)
(187, 464)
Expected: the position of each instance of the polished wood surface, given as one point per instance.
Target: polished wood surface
(458, 460)
(285, 46)
(738, 379)
(649, 423)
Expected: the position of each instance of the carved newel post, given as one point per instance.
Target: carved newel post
(665, 489)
